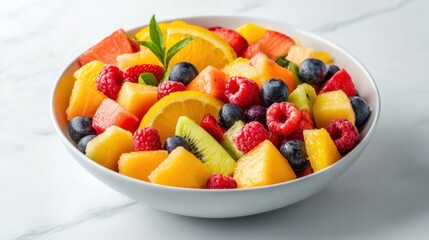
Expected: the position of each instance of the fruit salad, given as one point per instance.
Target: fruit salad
(213, 108)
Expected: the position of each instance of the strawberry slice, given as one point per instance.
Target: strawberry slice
(132, 73)
(210, 124)
(237, 42)
(340, 81)
(273, 44)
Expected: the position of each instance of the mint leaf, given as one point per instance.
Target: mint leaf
(166, 75)
(175, 48)
(156, 34)
(283, 62)
(154, 48)
(148, 79)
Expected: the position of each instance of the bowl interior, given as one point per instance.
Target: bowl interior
(364, 83)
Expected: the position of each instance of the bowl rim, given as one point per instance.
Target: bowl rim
(362, 144)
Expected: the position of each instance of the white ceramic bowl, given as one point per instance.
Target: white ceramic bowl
(237, 202)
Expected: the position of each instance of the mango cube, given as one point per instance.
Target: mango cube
(137, 98)
(84, 100)
(140, 164)
(321, 149)
(251, 32)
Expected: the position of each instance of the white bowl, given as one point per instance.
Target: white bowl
(237, 202)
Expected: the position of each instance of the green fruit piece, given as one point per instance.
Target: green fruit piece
(282, 61)
(303, 97)
(205, 147)
(228, 140)
(295, 72)
(148, 79)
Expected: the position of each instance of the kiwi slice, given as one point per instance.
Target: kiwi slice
(228, 140)
(295, 72)
(205, 147)
(303, 97)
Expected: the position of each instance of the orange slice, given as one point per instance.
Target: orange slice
(207, 48)
(163, 115)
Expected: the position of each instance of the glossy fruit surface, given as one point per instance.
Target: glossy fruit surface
(330, 106)
(139, 165)
(294, 152)
(230, 113)
(83, 143)
(312, 71)
(361, 110)
(183, 72)
(175, 141)
(273, 90)
(320, 148)
(80, 127)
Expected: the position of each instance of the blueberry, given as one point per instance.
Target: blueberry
(294, 152)
(81, 145)
(175, 141)
(361, 109)
(80, 127)
(230, 113)
(273, 90)
(312, 71)
(256, 113)
(330, 71)
(183, 72)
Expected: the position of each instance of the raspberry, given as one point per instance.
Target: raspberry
(110, 80)
(276, 139)
(219, 181)
(242, 91)
(168, 87)
(250, 136)
(132, 73)
(344, 133)
(305, 123)
(146, 139)
(283, 118)
(210, 124)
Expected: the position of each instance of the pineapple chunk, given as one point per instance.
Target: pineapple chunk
(89, 73)
(321, 149)
(140, 164)
(330, 106)
(264, 165)
(297, 54)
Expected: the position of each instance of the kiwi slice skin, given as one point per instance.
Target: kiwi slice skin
(205, 147)
(228, 140)
(303, 97)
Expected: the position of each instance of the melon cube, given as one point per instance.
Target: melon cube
(297, 54)
(321, 149)
(330, 106)
(251, 32)
(107, 147)
(110, 113)
(181, 169)
(137, 98)
(140, 164)
(84, 101)
(211, 81)
(263, 165)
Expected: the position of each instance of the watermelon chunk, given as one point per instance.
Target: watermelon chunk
(111, 113)
(109, 48)
(340, 81)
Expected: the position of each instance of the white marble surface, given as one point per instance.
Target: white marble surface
(45, 194)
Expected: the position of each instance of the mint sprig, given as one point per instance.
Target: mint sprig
(156, 44)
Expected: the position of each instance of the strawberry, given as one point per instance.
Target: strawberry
(237, 42)
(273, 44)
(340, 81)
(132, 73)
(210, 124)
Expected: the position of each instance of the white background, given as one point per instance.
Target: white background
(45, 194)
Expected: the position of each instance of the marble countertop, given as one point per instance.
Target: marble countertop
(45, 194)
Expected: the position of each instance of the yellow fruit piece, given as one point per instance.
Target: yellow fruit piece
(330, 106)
(251, 32)
(84, 101)
(321, 150)
(89, 73)
(181, 169)
(297, 54)
(140, 165)
(143, 34)
(137, 98)
(264, 165)
(144, 56)
(324, 56)
(163, 115)
(107, 147)
(205, 49)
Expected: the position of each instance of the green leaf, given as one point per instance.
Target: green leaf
(175, 48)
(166, 75)
(155, 33)
(148, 79)
(159, 53)
(283, 62)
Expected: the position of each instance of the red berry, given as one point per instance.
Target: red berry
(250, 136)
(146, 139)
(340, 81)
(168, 87)
(110, 80)
(210, 124)
(344, 133)
(242, 91)
(307, 171)
(283, 118)
(132, 73)
(219, 181)
(276, 139)
(305, 123)
(237, 42)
